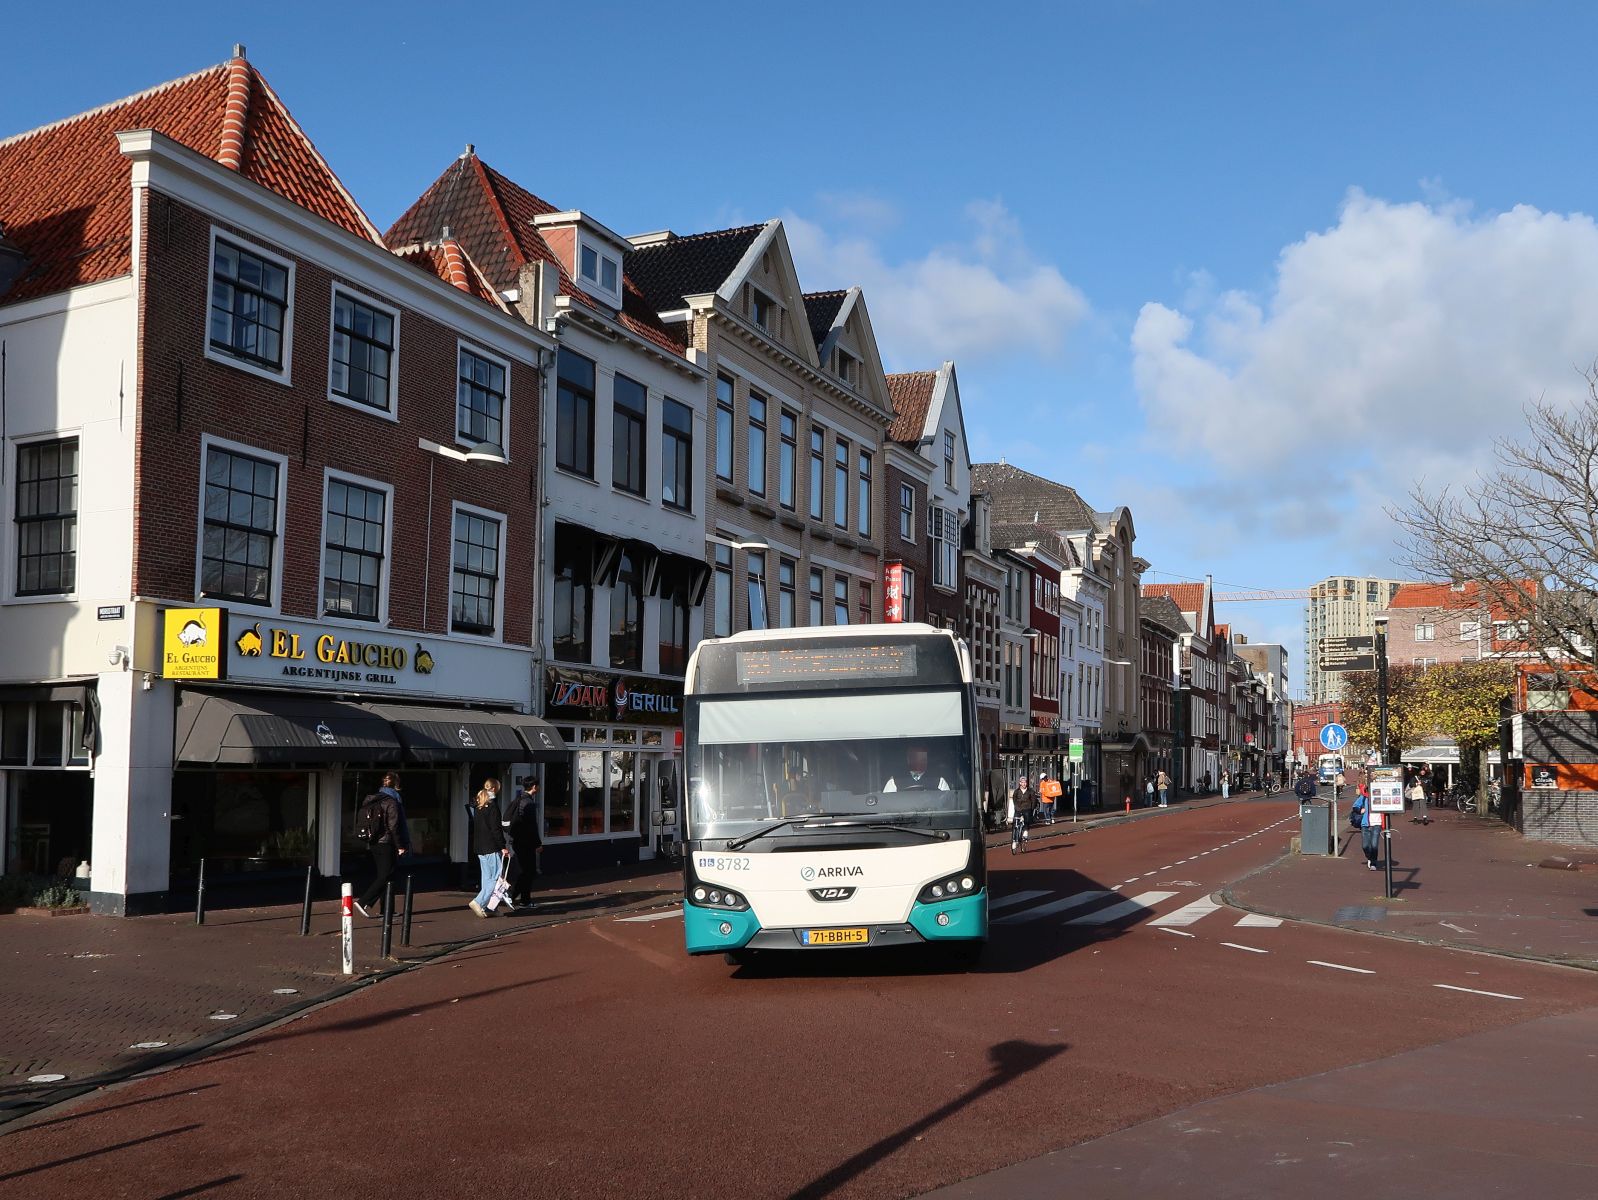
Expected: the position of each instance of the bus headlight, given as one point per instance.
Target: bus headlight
(948, 889)
(715, 897)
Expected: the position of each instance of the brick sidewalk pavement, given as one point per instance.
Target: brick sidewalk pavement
(83, 992)
(1461, 881)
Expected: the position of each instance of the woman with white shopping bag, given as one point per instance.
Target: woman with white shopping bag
(488, 838)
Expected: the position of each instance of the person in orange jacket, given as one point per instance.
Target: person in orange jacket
(1048, 791)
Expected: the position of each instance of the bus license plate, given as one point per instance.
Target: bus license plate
(836, 937)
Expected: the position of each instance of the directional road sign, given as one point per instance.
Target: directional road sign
(1334, 737)
(1348, 653)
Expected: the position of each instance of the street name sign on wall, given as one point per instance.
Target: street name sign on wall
(1348, 653)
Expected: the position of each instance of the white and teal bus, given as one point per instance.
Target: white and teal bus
(832, 792)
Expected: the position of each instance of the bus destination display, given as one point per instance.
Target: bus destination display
(822, 664)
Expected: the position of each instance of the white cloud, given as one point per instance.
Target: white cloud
(1396, 344)
(984, 296)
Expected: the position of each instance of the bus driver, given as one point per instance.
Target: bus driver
(915, 776)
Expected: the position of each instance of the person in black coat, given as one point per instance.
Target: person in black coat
(521, 825)
(488, 839)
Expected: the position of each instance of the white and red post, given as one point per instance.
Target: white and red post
(347, 928)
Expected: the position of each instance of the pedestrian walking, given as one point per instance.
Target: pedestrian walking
(1369, 825)
(1048, 791)
(1148, 793)
(380, 823)
(1162, 784)
(488, 839)
(527, 843)
(1206, 783)
(1022, 798)
(1337, 785)
(1305, 789)
(1226, 785)
(1419, 813)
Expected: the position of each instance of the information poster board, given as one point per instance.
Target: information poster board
(1387, 789)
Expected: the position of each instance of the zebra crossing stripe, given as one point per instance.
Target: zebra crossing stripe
(1126, 908)
(1018, 898)
(659, 916)
(1188, 913)
(1258, 921)
(1065, 904)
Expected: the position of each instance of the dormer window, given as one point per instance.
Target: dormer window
(601, 270)
(847, 367)
(763, 310)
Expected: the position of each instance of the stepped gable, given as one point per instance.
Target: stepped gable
(66, 202)
(491, 216)
(911, 393)
(668, 271)
(1020, 496)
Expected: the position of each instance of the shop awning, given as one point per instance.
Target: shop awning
(438, 735)
(267, 729)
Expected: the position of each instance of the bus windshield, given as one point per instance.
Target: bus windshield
(896, 758)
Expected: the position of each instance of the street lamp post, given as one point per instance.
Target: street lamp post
(476, 452)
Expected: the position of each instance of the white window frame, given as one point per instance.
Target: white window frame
(504, 416)
(377, 485)
(907, 530)
(460, 506)
(391, 412)
(275, 605)
(1425, 631)
(284, 376)
(8, 510)
(594, 282)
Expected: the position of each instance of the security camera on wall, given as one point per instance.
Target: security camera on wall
(117, 655)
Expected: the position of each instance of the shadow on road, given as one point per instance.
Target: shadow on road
(200, 1188)
(188, 1091)
(111, 1149)
(1010, 1060)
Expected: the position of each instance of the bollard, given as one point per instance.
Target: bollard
(199, 897)
(1129, 804)
(388, 919)
(305, 907)
(405, 930)
(347, 928)
(1387, 855)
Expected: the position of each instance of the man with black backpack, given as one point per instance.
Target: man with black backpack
(380, 823)
(521, 826)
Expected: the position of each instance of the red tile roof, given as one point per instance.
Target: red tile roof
(1189, 597)
(454, 266)
(491, 216)
(911, 394)
(1468, 595)
(64, 188)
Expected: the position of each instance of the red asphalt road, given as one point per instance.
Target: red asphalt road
(596, 1059)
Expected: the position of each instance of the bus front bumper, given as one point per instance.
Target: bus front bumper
(712, 930)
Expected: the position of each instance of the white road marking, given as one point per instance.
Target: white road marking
(1125, 908)
(1258, 921)
(1315, 962)
(660, 916)
(1178, 932)
(1478, 992)
(1018, 898)
(1045, 910)
(1250, 949)
(1188, 913)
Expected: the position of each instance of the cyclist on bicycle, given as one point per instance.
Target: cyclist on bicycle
(1021, 801)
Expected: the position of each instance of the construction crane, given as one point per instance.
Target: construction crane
(1262, 594)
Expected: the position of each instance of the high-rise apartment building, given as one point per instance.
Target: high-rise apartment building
(1341, 606)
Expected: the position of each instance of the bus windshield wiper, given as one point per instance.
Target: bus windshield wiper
(837, 821)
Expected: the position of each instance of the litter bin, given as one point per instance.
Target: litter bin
(1314, 828)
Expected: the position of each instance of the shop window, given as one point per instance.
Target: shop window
(47, 517)
(49, 734)
(557, 796)
(15, 721)
(627, 616)
(429, 797)
(574, 559)
(52, 821)
(242, 821)
(591, 790)
(623, 791)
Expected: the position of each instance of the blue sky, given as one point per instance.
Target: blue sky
(1249, 268)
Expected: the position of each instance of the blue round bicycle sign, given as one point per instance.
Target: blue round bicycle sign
(1334, 737)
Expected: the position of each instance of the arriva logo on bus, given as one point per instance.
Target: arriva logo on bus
(809, 873)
